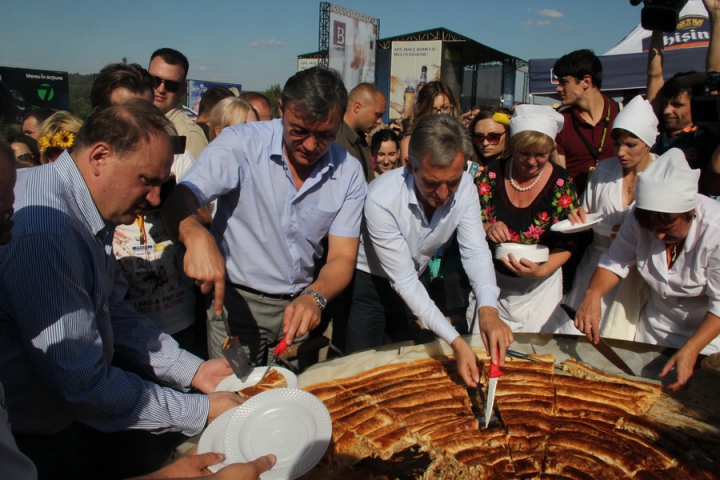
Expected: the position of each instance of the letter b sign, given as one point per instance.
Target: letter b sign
(339, 33)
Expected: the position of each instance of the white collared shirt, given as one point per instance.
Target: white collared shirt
(398, 241)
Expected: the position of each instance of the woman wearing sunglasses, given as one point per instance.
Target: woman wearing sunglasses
(490, 133)
(521, 197)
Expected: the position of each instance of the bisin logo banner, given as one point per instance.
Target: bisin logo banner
(692, 31)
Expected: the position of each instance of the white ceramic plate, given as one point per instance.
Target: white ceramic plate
(534, 253)
(566, 227)
(233, 383)
(292, 424)
(213, 438)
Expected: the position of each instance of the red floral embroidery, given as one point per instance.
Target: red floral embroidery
(543, 217)
(514, 237)
(560, 182)
(484, 188)
(491, 175)
(534, 232)
(565, 201)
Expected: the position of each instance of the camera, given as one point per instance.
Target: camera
(706, 108)
(660, 14)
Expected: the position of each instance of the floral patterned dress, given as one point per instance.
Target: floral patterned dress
(526, 304)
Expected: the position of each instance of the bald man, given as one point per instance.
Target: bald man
(366, 107)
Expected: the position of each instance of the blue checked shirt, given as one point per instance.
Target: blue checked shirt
(268, 231)
(63, 317)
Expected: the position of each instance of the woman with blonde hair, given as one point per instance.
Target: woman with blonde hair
(57, 134)
(521, 197)
(230, 111)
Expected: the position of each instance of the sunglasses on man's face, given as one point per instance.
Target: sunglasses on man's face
(170, 85)
(492, 138)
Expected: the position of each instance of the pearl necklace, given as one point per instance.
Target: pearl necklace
(518, 187)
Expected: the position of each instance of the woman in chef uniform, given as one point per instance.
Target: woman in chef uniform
(673, 236)
(611, 192)
(521, 197)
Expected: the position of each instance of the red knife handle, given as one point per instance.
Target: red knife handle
(281, 347)
(495, 371)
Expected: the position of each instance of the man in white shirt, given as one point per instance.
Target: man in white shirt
(409, 214)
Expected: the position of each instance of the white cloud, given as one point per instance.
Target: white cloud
(267, 43)
(546, 12)
(531, 24)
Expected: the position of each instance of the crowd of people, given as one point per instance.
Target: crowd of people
(136, 241)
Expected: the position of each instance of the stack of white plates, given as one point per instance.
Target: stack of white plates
(292, 424)
(533, 253)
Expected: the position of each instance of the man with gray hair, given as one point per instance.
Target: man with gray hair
(410, 213)
(281, 186)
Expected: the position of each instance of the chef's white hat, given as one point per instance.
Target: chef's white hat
(537, 118)
(639, 119)
(668, 184)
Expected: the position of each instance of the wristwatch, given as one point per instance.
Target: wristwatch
(319, 297)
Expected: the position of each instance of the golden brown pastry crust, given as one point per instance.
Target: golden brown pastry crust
(553, 426)
(273, 379)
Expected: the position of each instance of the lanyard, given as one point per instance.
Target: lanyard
(591, 150)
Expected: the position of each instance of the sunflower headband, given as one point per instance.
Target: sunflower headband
(62, 139)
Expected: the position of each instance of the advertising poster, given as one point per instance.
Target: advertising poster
(197, 88)
(38, 88)
(352, 49)
(305, 63)
(413, 65)
(692, 31)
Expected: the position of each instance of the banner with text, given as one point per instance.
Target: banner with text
(352, 49)
(413, 64)
(37, 88)
(305, 63)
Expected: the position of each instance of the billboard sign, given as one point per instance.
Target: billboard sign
(197, 88)
(413, 65)
(38, 88)
(352, 48)
(305, 63)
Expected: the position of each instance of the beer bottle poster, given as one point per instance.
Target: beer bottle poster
(413, 65)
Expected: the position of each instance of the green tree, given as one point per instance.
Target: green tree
(274, 93)
(80, 86)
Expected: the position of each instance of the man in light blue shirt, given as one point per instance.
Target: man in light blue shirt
(281, 186)
(409, 214)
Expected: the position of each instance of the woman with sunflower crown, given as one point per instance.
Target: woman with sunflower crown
(57, 134)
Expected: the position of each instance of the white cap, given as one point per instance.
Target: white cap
(536, 118)
(639, 119)
(668, 184)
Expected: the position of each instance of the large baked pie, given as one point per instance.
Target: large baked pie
(417, 420)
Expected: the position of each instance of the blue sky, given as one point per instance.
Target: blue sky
(256, 43)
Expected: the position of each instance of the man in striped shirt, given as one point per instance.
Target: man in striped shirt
(63, 317)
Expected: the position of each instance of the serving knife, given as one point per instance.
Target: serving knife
(513, 353)
(277, 351)
(234, 352)
(603, 347)
(495, 373)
